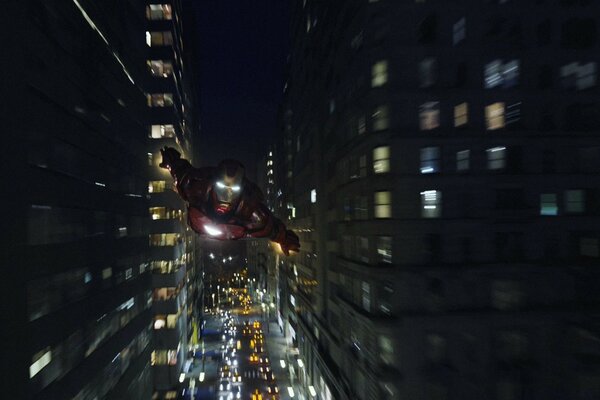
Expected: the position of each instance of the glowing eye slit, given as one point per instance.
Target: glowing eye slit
(235, 188)
(220, 185)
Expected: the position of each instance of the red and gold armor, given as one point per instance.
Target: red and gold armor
(223, 204)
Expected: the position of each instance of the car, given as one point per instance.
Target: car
(256, 395)
(272, 389)
(236, 392)
(237, 378)
(264, 369)
(269, 376)
(253, 358)
(225, 396)
(258, 349)
(224, 385)
(256, 324)
(264, 360)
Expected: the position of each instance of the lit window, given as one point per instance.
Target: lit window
(160, 39)
(384, 249)
(106, 273)
(160, 100)
(381, 159)
(461, 114)
(496, 158)
(150, 159)
(164, 239)
(362, 125)
(429, 115)
(162, 131)
(381, 119)
(427, 72)
(575, 201)
(156, 186)
(430, 160)
(513, 113)
(366, 296)
(383, 205)
(548, 204)
(160, 68)
(159, 12)
(494, 116)
(379, 73)
(510, 74)
(499, 74)
(459, 31)
(40, 360)
(431, 204)
(313, 196)
(386, 350)
(148, 39)
(578, 76)
(462, 160)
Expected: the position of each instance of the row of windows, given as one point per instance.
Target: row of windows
(108, 377)
(165, 239)
(497, 74)
(56, 361)
(575, 33)
(574, 202)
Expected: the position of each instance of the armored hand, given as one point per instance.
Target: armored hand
(291, 242)
(170, 157)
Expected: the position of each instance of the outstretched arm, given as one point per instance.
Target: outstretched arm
(191, 183)
(267, 225)
(171, 160)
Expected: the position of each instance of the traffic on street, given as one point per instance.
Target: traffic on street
(235, 359)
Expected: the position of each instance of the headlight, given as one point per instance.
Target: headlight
(221, 387)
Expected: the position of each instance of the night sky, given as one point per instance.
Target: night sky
(242, 45)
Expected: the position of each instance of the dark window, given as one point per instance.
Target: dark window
(544, 33)
(514, 159)
(509, 246)
(428, 29)
(461, 75)
(466, 249)
(546, 122)
(433, 247)
(549, 161)
(582, 116)
(545, 77)
(509, 199)
(578, 33)
(589, 159)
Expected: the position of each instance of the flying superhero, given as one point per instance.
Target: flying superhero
(223, 204)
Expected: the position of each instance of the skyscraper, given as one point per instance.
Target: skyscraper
(78, 286)
(175, 254)
(441, 165)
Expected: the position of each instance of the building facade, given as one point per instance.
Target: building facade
(441, 166)
(176, 257)
(79, 321)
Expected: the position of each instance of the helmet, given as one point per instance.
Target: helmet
(227, 186)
